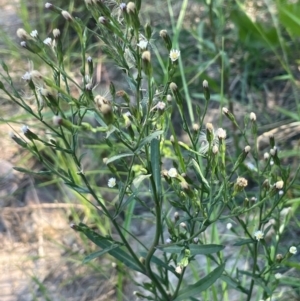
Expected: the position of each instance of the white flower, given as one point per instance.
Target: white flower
(280, 192)
(252, 116)
(266, 156)
(168, 240)
(34, 33)
(23, 44)
(178, 269)
(229, 226)
(293, 250)
(279, 185)
(278, 275)
(48, 5)
(143, 44)
(48, 41)
(172, 173)
(161, 105)
(259, 235)
(174, 55)
(111, 182)
(221, 133)
(24, 129)
(27, 76)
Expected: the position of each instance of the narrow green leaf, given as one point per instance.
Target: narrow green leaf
(194, 249)
(94, 255)
(155, 166)
(201, 285)
(234, 284)
(117, 157)
(104, 243)
(148, 139)
(205, 249)
(42, 172)
(242, 242)
(171, 248)
(198, 170)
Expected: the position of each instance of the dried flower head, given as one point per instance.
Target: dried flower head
(163, 33)
(146, 56)
(241, 182)
(130, 7)
(196, 127)
(22, 34)
(279, 185)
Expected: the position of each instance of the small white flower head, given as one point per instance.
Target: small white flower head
(278, 276)
(27, 76)
(143, 44)
(57, 120)
(273, 151)
(229, 226)
(279, 185)
(183, 225)
(247, 149)
(173, 87)
(259, 235)
(225, 110)
(56, 33)
(48, 5)
(221, 133)
(23, 44)
(48, 41)
(178, 269)
(168, 240)
(89, 59)
(280, 192)
(169, 97)
(195, 127)
(195, 240)
(271, 162)
(24, 129)
(205, 84)
(123, 6)
(176, 216)
(215, 149)
(34, 33)
(66, 15)
(293, 250)
(266, 156)
(130, 7)
(111, 182)
(252, 116)
(253, 199)
(160, 106)
(172, 173)
(102, 20)
(174, 55)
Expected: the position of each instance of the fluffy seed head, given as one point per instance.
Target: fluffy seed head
(130, 7)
